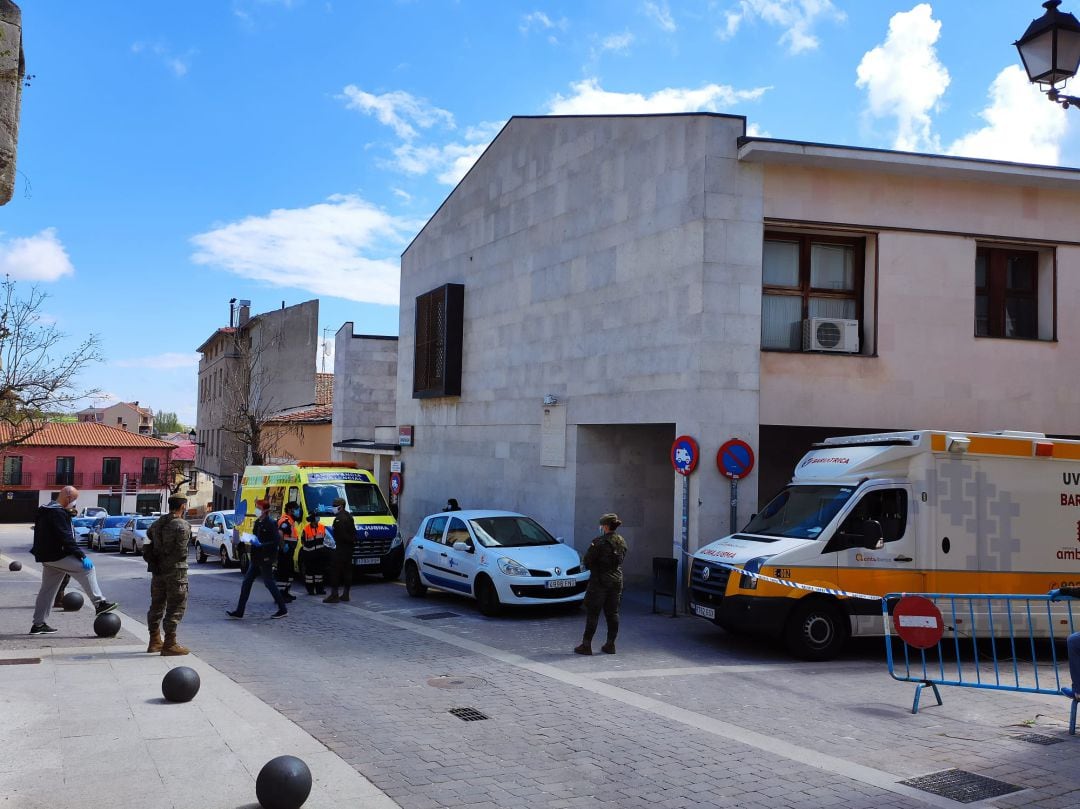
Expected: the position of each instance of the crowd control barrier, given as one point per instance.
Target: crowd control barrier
(995, 642)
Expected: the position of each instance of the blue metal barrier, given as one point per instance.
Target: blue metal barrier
(989, 642)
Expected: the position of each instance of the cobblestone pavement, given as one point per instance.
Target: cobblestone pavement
(683, 716)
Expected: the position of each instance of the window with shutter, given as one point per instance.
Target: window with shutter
(438, 334)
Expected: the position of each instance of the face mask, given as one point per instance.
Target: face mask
(258, 512)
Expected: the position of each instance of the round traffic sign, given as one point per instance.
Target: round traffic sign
(918, 622)
(396, 483)
(735, 459)
(685, 454)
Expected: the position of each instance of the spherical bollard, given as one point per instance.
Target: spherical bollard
(15, 566)
(181, 684)
(107, 625)
(72, 602)
(283, 783)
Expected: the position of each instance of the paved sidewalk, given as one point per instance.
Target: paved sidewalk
(83, 724)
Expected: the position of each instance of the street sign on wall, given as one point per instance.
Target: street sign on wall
(685, 454)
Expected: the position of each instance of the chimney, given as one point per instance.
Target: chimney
(232, 312)
(244, 313)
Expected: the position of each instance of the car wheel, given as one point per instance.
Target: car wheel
(413, 585)
(122, 551)
(816, 630)
(487, 597)
(200, 554)
(244, 560)
(223, 554)
(136, 550)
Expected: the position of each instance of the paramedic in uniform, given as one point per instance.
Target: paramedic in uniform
(604, 559)
(313, 553)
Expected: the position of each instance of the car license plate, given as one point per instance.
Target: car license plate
(558, 584)
(704, 612)
(369, 560)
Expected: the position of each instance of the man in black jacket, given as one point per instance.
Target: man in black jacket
(341, 567)
(265, 543)
(59, 554)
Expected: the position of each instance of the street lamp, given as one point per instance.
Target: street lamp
(1050, 51)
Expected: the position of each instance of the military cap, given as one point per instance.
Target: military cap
(610, 519)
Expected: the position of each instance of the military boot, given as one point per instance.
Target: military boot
(345, 594)
(155, 641)
(584, 649)
(332, 598)
(608, 648)
(171, 648)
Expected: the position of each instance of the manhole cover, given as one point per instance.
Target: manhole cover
(456, 681)
(1037, 738)
(468, 714)
(961, 786)
(20, 661)
(431, 616)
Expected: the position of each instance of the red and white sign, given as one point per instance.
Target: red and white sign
(397, 483)
(918, 622)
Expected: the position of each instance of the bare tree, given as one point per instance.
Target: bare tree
(37, 377)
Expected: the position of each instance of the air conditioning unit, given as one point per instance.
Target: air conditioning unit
(830, 334)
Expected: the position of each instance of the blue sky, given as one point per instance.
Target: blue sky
(173, 156)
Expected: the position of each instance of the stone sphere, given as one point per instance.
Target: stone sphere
(72, 602)
(107, 625)
(181, 684)
(283, 783)
(15, 566)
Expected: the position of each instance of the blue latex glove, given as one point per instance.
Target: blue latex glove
(1055, 595)
(87, 564)
(255, 542)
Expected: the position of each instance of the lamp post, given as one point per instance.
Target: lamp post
(1050, 51)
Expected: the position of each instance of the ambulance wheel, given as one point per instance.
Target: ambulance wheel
(816, 630)
(487, 597)
(413, 585)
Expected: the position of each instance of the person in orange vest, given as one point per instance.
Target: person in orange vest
(289, 536)
(313, 553)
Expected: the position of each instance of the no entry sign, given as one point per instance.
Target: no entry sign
(918, 622)
(735, 459)
(685, 454)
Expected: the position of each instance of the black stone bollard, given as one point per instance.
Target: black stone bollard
(283, 783)
(107, 625)
(72, 602)
(181, 684)
(15, 566)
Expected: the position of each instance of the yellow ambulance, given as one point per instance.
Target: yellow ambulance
(314, 485)
(928, 511)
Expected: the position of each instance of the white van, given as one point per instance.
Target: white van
(921, 512)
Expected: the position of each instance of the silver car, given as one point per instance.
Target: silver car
(133, 534)
(107, 535)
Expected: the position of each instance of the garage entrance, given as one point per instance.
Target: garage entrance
(18, 506)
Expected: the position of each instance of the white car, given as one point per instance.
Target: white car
(497, 557)
(133, 534)
(214, 538)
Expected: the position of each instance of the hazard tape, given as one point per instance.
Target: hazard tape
(797, 586)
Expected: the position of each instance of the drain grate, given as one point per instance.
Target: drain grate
(20, 661)
(1038, 738)
(468, 714)
(961, 786)
(431, 616)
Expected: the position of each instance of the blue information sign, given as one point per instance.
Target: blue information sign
(684, 454)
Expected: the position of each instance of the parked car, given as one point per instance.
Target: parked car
(214, 538)
(497, 557)
(93, 511)
(133, 534)
(107, 534)
(83, 527)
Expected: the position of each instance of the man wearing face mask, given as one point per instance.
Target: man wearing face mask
(289, 537)
(166, 559)
(59, 554)
(264, 551)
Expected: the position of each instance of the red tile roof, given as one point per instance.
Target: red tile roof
(185, 451)
(85, 434)
(320, 414)
(324, 389)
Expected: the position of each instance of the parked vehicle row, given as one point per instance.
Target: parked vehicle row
(214, 537)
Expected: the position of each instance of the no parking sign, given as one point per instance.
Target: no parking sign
(396, 483)
(735, 459)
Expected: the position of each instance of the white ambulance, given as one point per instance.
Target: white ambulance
(920, 512)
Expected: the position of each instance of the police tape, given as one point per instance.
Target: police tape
(797, 585)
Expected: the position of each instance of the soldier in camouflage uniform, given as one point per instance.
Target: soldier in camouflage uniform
(166, 559)
(604, 559)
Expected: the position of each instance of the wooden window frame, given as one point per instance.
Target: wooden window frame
(437, 350)
(997, 292)
(804, 290)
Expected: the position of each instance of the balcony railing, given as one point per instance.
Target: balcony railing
(15, 479)
(134, 481)
(64, 479)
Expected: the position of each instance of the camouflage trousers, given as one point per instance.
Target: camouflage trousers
(168, 602)
(602, 598)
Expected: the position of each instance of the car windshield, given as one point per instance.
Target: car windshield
(800, 512)
(116, 522)
(144, 523)
(82, 522)
(510, 532)
(364, 499)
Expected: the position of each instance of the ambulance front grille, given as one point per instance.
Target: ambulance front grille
(707, 588)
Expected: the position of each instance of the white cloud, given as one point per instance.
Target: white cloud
(401, 111)
(661, 15)
(904, 79)
(1021, 125)
(618, 43)
(539, 21)
(344, 247)
(796, 17)
(402, 194)
(178, 65)
(40, 257)
(170, 359)
(450, 161)
(589, 98)
(754, 130)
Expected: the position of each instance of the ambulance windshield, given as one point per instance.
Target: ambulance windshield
(364, 499)
(800, 512)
